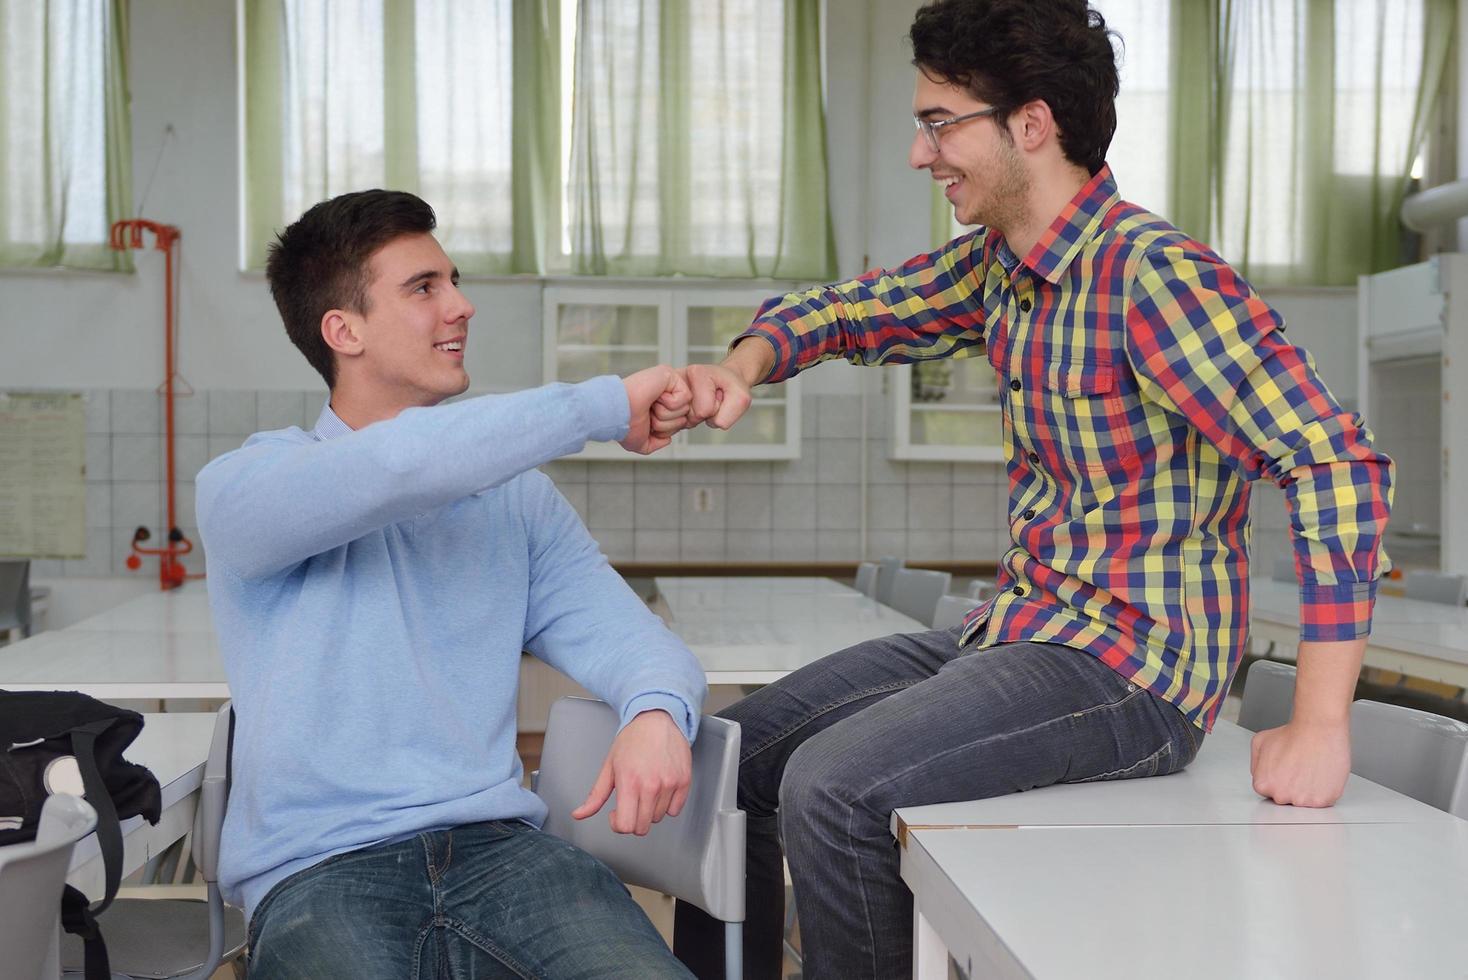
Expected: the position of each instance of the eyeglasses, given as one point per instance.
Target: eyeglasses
(929, 128)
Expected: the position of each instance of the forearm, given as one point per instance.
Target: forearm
(1326, 681)
(751, 358)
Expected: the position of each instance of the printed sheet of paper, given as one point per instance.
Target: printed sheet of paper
(43, 504)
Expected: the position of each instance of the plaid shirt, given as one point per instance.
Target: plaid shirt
(1143, 385)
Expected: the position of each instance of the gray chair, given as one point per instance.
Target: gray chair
(982, 589)
(866, 579)
(916, 591)
(1269, 696)
(31, 877)
(1417, 753)
(887, 569)
(697, 856)
(15, 597)
(951, 610)
(1450, 590)
(163, 937)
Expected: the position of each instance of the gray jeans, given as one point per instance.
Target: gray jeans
(831, 750)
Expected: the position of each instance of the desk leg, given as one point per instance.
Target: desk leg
(929, 955)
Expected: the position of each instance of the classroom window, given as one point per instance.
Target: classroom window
(65, 147)
(639, 137)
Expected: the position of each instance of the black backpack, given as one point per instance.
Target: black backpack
(47, 740)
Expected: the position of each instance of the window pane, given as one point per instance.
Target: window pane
(464, 70)
(760, 426)
(576, 366)
(717, 326)
(940, 428)
(1138, 154)
(1372, 136)
(604, 325)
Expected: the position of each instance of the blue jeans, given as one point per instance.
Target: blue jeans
(495, 899)
(828, 753)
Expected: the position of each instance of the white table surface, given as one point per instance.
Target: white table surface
(1423, 639)
(116, 664)
(1342, 901)
(1215, 790)
(755, 630)
(175, 747)
(183, 610)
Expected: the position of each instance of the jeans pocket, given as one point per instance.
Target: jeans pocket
(1157, 762)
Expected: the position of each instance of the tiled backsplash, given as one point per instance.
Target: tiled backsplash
(802, 510)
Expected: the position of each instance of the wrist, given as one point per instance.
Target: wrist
(751, 360)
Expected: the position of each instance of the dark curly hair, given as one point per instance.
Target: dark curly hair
(321, 262)
(1010, 52)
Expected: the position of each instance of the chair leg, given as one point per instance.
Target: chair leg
(733, 951)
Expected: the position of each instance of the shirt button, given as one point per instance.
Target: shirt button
(1034, 457)
(1014, 385)
(1029, 515)
(1019, 590)
(1024, 306)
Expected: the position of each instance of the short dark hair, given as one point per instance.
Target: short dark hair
(321, 262)
(1010, 52)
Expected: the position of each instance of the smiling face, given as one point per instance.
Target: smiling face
(977, 162)
(409, 343)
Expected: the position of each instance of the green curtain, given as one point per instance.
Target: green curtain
(454, 100)
(699, 140)
(1294, 128)
(65, 133)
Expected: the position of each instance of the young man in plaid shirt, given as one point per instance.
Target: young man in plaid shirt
(1144, 386)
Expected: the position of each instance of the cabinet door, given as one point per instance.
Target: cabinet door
(591, 332)
(705, 322)
(947, 410)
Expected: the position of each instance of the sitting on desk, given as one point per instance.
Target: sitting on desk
(373, 582)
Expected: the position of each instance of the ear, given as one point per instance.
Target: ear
(1032, 124)
(342, 332)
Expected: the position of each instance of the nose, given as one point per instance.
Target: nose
(461, 308)
(920, 155)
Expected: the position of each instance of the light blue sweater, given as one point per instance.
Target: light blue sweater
(373, 591)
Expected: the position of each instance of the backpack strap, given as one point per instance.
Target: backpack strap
(77, 916)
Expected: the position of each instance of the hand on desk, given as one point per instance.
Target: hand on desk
(1302, 763)
(650, 765)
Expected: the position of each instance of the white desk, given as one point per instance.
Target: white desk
(1424, 639)
(1086, 880)
(159, 645)
(754, 630)
(1342, 901)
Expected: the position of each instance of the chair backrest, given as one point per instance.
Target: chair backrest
(1414, 752)
(866, 579)
(15, 596)
(1269, 696)
(213, 796)
(916, 591)
(887, 569)
(1283, 570)
(1451, 590)
(982, 588)
(31, 878)
(951, 610)
(697, 856)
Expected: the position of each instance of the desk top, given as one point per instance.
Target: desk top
(1215, 790)
(756, 630)
(175, 747)
(1342, 901)
(116, 664)
(179, 611)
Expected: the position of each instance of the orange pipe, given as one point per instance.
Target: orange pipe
(171, 572)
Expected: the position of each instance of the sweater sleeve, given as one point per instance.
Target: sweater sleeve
(278, 501)
(583, 620)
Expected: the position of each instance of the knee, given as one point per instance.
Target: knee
(812, 784)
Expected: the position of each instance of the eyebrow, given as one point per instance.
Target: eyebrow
(934, 111)
(427, 275)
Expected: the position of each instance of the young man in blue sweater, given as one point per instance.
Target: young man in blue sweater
(374, 582)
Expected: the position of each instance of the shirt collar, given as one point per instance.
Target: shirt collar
(328, 425)
(1072, 228)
